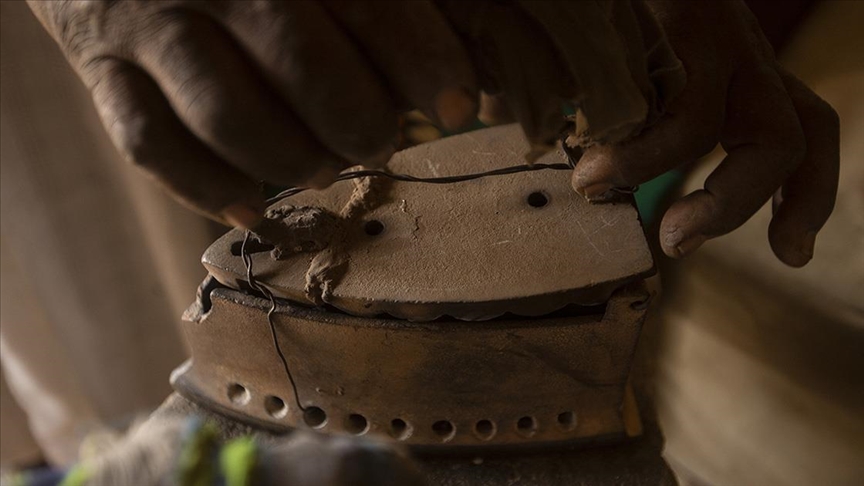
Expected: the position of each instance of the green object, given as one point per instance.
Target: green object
(238, 460)
(77, 476)
(196, 463)
(16, 479)
(651, 194)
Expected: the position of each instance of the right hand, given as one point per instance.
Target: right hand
(780, 138)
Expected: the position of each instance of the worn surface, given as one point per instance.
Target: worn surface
(472, 250)
(635, 462)
(511, 382)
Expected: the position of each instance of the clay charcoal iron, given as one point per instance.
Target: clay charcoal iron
(501, 311)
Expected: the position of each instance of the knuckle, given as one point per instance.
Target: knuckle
(708, 132)
(826, 114)
(131, 137)
(73, 25)
(214, 115)
(130, 127)
(789, 154)
(699, 134)
(90, 27)
(811, 106)
(784, 141)
(793, 147)
(98, 71)
(166, 28)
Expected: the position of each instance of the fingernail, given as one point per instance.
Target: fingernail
(455, 108)
(591, 190)
(689, 245)
(808, 244)
(381, 158)
(242, 216)
(324, 177)
(597, 191)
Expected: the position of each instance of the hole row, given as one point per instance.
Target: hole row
(484, 429)
(536, 199)
(273, 405)
(357, 424)
(277, 408)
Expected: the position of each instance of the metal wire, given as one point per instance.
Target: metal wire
(247, 258)
(247, 262)
(428, 180)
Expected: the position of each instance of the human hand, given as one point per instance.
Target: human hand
(211, 97)
(777, 134)
(609, 60)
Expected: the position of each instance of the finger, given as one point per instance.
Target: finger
(468, 20)
(520, 62)
(217, 95)
(764, 145)
(594, 51)
(323, 77)
(807, 197)
(531, 76)
(690, 130)
(147, 132)
(494, 110)
(416, 128)
(433, 76)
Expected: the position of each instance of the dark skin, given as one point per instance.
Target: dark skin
(210, 97)
(781, 139)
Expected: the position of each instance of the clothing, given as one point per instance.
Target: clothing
(762, 372)
(97, 264)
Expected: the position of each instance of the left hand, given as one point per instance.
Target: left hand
(781, 139)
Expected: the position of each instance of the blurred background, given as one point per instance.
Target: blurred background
(757, 369)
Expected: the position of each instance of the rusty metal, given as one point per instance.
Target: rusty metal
(525, 243)
(624, 463)
(443, 383)
(557, 282)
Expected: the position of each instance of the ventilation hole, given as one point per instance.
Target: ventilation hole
(314, 417)
(373, 227)
(484, 429)
(238, 394)
(526, 426)
(567, 420)
(399, 429)
(275, 407)
(537, 199)
(444, 429)
(252, 246)
(356, 424)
